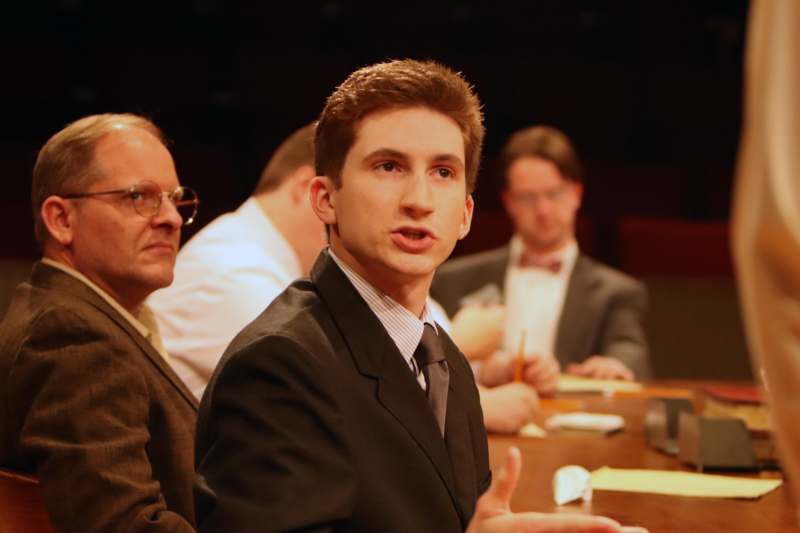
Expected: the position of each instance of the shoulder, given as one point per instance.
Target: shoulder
(296, 321)
(476, 261)
(72, 344)
(223, 245)
(63, 317)
(223, 265)
(75, 333)
(609, 278)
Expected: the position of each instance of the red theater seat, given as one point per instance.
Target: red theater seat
(660, 247)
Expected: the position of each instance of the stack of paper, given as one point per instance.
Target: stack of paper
(586, 422)
(681, 483)
(567, 383)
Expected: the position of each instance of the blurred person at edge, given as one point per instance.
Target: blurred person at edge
(766, 215)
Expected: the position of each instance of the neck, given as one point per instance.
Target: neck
(537, 248)
(279, 210)
(64, 258)
(409, 291)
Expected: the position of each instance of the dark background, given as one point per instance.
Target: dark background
(650, 91)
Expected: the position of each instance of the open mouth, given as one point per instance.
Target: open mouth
(413, 240)
(413, 234)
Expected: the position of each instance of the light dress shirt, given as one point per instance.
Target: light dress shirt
(142, 322)
(402, 325)
(225, 276)
(534, 298)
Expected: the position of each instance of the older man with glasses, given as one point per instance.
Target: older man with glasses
(89, 402)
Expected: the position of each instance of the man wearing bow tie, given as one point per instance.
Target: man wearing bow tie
(561, 306)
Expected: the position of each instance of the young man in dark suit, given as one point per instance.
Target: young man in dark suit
(567, 307)
(89, 404)
(343, 407)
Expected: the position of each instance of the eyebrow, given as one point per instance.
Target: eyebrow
(394, 154)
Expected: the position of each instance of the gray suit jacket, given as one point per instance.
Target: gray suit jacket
(602, 314)
(92, 409)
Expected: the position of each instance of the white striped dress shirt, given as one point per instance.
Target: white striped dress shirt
(403, 327)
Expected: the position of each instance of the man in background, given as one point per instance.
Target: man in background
(235, 266)
(89, 402)
(560, 304)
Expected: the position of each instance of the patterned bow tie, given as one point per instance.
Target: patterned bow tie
(528, 260)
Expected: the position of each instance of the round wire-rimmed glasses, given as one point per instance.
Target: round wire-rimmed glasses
(146, 197)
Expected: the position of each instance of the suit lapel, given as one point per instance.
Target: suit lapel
(492, 272)
(377, 357)
(498, 266)
(44, 275)
(458, 435)
(571, 326)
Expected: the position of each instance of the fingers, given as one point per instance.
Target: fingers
(503, 487)
(549, 523)
(495, 502)
(543, 373)
(577, 369)
(508, 407)
(601, 367)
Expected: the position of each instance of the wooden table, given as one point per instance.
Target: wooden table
(628, 449)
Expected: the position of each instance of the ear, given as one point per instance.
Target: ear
(299, 183)
(58, 217)
(505, 196)
(466, 220)
(578, 192)
(322, 193)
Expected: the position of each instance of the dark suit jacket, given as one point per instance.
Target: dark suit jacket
(314, 422)
(603, 309)
(89, 406)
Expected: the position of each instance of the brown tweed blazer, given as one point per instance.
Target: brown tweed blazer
(89, 406)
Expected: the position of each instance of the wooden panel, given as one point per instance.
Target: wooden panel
(674, 248)
(21, 506)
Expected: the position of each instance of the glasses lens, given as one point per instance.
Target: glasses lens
(146, 197)
(186, 201)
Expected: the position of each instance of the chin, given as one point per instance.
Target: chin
(416, 265)
(159, 278)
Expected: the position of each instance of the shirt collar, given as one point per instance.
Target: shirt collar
(403, 327)
(567, 255)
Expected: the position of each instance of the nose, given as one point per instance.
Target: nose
(417, 198)
(168, 214)
(543, 206)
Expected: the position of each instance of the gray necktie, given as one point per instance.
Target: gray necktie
(431, 361)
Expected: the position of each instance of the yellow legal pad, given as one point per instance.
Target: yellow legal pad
(681, 483)
(567, 383)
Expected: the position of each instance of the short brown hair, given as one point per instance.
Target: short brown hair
(64, 164)
(397, 84)
(543, 142)
(295, 152)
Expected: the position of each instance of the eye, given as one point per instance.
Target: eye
(387, 166)
(135, 195)
(444, 172)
